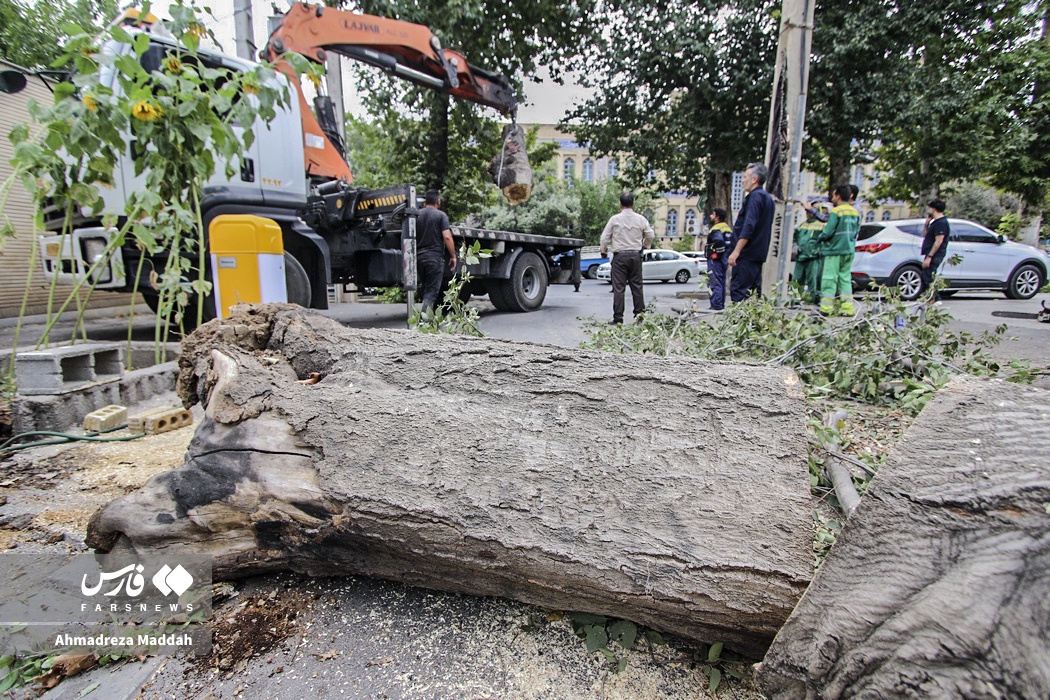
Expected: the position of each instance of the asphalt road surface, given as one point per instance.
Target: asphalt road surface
(563, 318)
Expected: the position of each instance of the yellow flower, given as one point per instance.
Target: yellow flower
(196, 30)
(146, 111)
(250, 88)
(315, 80)
(90, 103)
(173, 65)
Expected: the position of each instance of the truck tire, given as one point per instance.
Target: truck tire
(496, 289)
(591, 272)
(527, 287)
(296, 282)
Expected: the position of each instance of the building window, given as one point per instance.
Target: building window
(672, 223)
(614, 168)
(858, 176)
(569, 170)
(690, 222)
(886, 215)
(869, 217)
(736, 198)
(588, 170)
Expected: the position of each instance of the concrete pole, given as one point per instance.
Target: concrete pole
(334, 68)
(242, 28)
(791, 84)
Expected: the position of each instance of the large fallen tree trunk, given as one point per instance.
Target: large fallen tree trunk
(666, 491)
(939, 585)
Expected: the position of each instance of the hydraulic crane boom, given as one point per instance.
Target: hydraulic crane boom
(410, 51)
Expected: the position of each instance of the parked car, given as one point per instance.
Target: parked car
(663, 265)
(887, 253)
(697, 255)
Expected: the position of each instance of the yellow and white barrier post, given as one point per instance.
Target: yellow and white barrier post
(247, 261)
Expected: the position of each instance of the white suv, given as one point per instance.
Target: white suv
(888, 253)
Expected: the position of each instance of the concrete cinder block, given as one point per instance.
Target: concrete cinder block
(106, 418)
(160, 420)
(69, 367)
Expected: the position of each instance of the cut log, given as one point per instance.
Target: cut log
(670, 492)
(939, 585)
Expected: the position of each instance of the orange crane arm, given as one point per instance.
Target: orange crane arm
(410, 51)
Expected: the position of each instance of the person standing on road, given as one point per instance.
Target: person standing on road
(934, 244)
(838, 241)
(810, 264)
(719, 245)
(751, 233)
(626, 234)
(433, 238)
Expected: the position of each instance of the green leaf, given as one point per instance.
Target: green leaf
(597, 638)
(63, 90)
(623, 633)
(90, 688)
(655, 637)
(589, 619)
(119, 34)
(716, 679)
(141, 44)
(714, 653)
(9, 681)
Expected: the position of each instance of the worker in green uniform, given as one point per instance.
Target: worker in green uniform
(838, 240)
(810, 263)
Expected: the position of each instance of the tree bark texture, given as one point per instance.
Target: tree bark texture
(670, 492)
(939, 585)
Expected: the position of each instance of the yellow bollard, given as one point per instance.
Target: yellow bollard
(247, 261)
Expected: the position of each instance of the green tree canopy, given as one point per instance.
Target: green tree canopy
(450, 143)
(684, 89)
(31, 34)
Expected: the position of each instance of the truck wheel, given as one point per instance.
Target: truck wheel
(591, 272)
(296, 282)
(527, 287)
(496, 289)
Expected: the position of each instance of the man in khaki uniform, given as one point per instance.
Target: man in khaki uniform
(626, 234)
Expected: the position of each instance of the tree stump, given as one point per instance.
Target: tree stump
(939, 585)
(670, 492)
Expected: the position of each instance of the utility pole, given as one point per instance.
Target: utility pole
(242, 29)
(787, 121)
(334, 77)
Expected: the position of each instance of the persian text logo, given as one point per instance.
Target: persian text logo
(169, 580)
(130, 579)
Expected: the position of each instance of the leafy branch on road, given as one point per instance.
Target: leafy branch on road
(890, 354)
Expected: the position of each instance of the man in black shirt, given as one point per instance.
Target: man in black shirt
(934, 243)
(433, 238)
